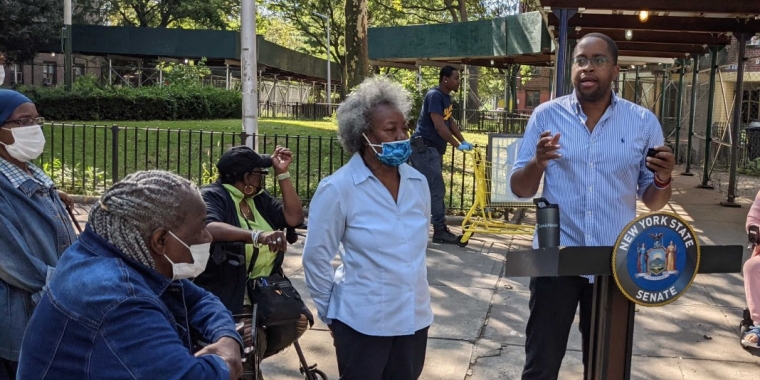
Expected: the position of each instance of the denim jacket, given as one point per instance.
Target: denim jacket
(34, 231)
(105, 316)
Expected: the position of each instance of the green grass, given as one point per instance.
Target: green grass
(79, 157)
(266, 126)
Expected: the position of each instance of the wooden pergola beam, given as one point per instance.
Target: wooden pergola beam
(676, 24)
(618, 35)
(698, 6)
(537, 60)
(651, 53)
(661, 47)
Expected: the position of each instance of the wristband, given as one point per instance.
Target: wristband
(283, 176)
(659, 185)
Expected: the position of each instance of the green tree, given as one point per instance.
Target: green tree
(209, 14)
(301, 15)
(357, 56)
(187, 75)
(277, 30)
(482, 83)
(26, 25)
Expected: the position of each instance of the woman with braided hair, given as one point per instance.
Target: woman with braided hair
(120, 305)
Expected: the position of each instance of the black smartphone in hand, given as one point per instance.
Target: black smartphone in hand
(651, 152)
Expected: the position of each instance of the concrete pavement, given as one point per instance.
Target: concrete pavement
(480, 315)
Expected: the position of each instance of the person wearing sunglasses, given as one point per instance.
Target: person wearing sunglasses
(246, 224)
(34, 224)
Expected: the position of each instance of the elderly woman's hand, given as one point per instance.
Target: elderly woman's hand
(229, 350)
(275, 240)
(66, 199)
(281, 159)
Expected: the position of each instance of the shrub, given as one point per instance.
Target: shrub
(86, 101)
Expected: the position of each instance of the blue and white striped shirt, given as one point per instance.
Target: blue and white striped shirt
(601, 173)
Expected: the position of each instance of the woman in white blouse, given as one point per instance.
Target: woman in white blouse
(377, 303)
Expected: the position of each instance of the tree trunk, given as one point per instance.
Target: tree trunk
(357, 56)
(473, 101)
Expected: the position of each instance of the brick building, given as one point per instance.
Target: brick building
(751, 98)
(536, 90)
(47, 69)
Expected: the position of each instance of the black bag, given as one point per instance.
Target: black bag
(278, 301)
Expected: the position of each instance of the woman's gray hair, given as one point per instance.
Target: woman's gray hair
(133, 208)
(355, 113)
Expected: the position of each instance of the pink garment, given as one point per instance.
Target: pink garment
(752, 266)
(753, 217)
(752, 287)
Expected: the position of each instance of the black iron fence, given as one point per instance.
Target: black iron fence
(302, 111)
(86, 159)
(490, 121)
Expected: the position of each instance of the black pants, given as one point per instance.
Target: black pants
(365, 357)
(553, 301)
(430, 164)
(8, 369)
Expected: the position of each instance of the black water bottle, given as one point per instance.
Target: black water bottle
(547, 223)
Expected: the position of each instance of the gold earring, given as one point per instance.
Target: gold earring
(245, 190)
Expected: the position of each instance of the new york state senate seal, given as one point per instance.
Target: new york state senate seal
(655, 259)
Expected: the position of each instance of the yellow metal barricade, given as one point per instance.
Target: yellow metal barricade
(480, 218)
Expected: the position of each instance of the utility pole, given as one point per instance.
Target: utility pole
(327, 46)
(68, 75)
(248, 61)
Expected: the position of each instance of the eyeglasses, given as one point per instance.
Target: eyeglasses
(596, 62)
(27, 121)
(260, 172)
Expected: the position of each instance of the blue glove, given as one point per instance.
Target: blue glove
(464, 145)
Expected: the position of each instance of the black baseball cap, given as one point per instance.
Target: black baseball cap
(242, 159)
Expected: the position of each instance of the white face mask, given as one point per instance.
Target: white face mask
(200, 254)
(28, 143)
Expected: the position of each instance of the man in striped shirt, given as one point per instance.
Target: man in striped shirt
(591, 146)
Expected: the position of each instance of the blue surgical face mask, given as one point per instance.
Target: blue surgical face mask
(392, 153)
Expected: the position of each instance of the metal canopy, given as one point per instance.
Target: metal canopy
(674, 29)
(518, 39)
(177, 44)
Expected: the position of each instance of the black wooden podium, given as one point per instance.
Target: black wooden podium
(612, 314)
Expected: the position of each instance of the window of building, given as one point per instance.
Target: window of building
(78, 71)
(18, 74)
(751, 106)
(532, 98)
(49, 74)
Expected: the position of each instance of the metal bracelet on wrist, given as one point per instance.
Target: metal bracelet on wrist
(283, 176)
(255, 238)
